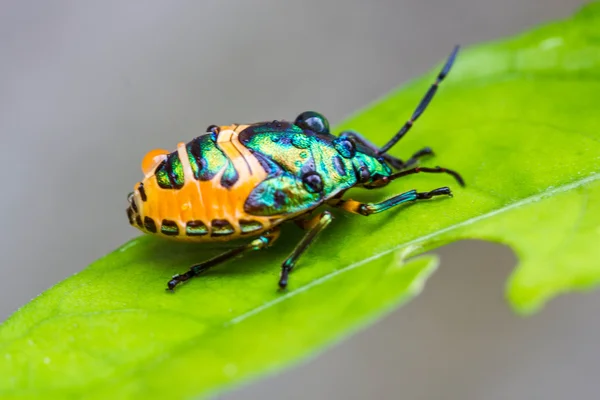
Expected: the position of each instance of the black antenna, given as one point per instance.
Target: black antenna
(423, 104)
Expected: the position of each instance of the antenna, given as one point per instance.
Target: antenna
(422, 105)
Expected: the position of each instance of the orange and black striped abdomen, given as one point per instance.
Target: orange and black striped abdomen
(197, 193)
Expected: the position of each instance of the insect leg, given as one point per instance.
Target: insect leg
(315, 226)
(426, 151)
(261, 242)
(367, 209)
(436, 170)
(384, 180)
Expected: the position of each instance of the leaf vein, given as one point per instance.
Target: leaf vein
(417, 241)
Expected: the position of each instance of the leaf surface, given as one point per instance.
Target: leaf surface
(518, 118)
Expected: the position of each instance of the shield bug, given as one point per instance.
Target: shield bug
(244, 180)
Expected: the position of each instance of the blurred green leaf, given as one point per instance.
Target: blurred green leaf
(518, 118)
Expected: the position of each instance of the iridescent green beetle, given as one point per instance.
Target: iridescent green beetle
(243, 180)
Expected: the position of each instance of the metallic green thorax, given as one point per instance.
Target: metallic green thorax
(304, 168)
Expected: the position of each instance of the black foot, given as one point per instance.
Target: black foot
(177, 279)
(435, 192)
(427, 151)
(283, 280)
(455, 174)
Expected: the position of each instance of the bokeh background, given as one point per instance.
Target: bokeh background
(87, 87)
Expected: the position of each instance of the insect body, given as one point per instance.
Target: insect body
(244, 180)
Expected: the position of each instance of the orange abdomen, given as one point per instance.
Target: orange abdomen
(185, 205)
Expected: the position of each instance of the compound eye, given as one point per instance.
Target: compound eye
(312, 121)
(152, 159)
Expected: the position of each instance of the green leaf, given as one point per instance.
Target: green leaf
(103, 326)
(518, 118)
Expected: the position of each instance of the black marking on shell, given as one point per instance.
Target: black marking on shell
(249, 226)
(339, 166)
(279, 198)
(169, 228)
(142, 192)
(162, 177)
(130, 215)
(221, 227)
(194, 149)
(230, 177)
(362, 172)
(308, 166)
(196, 228)
(149, 224)
(313, 182)
(170, 168)
(133, 205)
(255, 203)
(270, 167)
(266, 127)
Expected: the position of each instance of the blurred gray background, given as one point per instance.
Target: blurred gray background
(87, 87)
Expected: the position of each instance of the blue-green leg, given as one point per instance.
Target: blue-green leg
(366, 209)
(314, 226)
